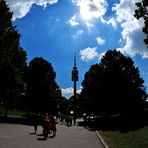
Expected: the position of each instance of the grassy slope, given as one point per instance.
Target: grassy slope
(131, 139)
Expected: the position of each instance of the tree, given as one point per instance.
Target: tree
(12, 59)
(43, 92)
(73, 103)
(64, 106)
(142, 12)
(113, 86)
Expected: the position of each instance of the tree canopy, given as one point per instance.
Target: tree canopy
(113, 86)
(142, 12)
(12, 58)
(43, 92)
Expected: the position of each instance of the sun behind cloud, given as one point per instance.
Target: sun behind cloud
(91, 9)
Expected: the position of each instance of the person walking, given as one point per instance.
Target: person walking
(53, 125)
(35, 123)
(74, 119)
(46, 125)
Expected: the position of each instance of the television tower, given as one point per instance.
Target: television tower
(75, 77)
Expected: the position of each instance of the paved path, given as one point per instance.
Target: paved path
(22, 136)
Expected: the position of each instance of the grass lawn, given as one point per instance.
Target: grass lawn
(12, 112)
(16, 113)
(132, 139)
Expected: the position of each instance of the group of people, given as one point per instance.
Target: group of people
(48, 123)
(69, 119)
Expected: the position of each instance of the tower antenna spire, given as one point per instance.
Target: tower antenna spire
(75, 59)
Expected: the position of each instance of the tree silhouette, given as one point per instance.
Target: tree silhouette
(142, 12)
(74, 104)
(12, 59)
(113, 86)
(43, 92)
(63, 106)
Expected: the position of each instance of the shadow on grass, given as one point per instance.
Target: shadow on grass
(119, 123)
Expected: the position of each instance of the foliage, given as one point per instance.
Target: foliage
(142, 12)
(12, 58)
(64, 106)
(74, 105)
(43, 92)
(113, 86)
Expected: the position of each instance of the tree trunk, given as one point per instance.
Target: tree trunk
(6, 111)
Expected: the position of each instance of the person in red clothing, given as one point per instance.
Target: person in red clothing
(46, 125)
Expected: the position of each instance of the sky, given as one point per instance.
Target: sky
(56, 29)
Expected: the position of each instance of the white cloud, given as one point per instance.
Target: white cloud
(22, 7)
(77, 34)
(68, 92)
(79, 91)
(100, 40)
(111, 21)
(88, 53)
(91, 9)
(101, 55)
(132, 28)
(89, 25)
(73, 21)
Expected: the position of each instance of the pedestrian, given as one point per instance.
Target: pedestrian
(69, 120)
(46, 125)
(74, 119)
(53, 125)
(35, 123)
(61, 119)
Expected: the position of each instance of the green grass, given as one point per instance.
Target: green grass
(16, 113)
(12, 112)
(2, 110)
(132, 139)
